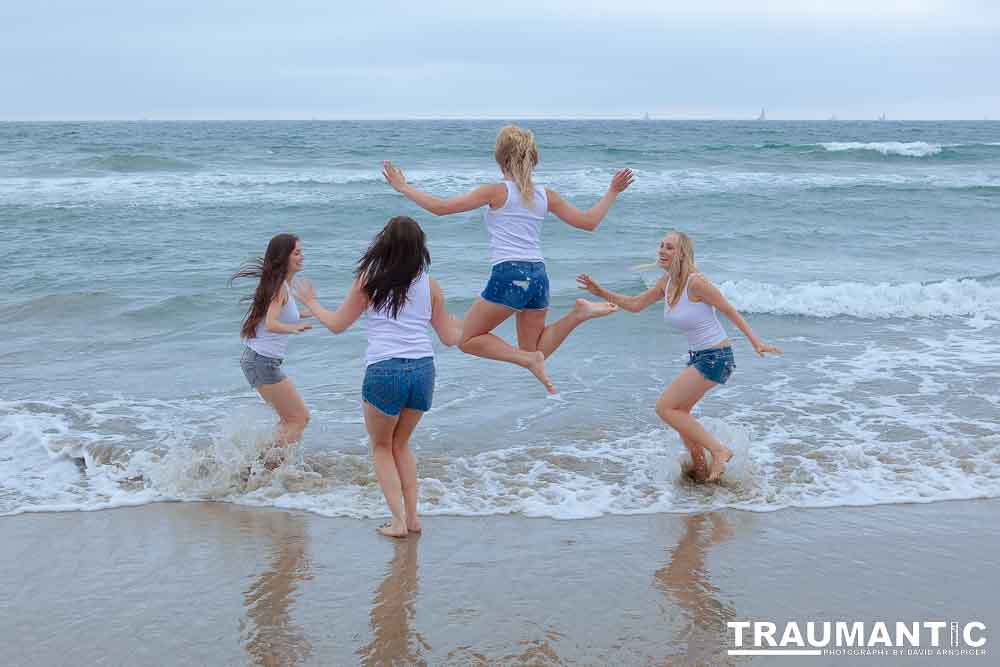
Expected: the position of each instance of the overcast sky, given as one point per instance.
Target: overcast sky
(914, 59)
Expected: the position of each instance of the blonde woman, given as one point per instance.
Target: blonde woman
(516, 207)
(690, 302)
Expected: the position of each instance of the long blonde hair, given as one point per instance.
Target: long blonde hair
(682, 267)
(517, 154)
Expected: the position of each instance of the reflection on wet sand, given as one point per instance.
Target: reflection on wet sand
(685, 581)
(393, 611)
(268, 634)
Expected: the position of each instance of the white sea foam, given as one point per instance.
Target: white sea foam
(904, 148)
(837, 443)
(949, 298)
(188, 190)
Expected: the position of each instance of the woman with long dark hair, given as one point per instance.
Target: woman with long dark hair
(690, 302)
(401, 302)
(271, 318)
(514, 210)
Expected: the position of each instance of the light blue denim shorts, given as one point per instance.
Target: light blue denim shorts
(518, 285)
(396, 383)
(259, 369)
(715, 364)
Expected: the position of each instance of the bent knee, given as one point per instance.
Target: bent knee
(385, 443)
(669, 412)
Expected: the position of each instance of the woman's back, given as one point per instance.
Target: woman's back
(406, 336)
(516, 229)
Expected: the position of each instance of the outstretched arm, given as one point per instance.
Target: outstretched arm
(632, 304)
(495, 194)
(337, 321)
(589, 221)
(448, 327)
(701, 289)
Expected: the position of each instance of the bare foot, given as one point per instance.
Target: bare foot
(392, 529)
(719, 464)
(537, 368)
(413, 525)
(588, 310)
(698, 472)
(273, 458)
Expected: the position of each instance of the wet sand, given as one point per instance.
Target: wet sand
(219, 584)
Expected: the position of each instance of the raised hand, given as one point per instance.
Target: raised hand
(762, 348)
(621, 181)
(583, 281)
(304, 291)
(393, 176)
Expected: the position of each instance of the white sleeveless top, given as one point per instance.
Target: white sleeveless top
(698, 320)
(515, 230)
(269, 344)
(407, 336)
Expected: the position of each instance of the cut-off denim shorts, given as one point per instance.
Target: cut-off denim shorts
(715, 364)
(518, 285)
(397, 383)
(259, 369)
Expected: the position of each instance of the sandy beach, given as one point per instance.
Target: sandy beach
(220, 584)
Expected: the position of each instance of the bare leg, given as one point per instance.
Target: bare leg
(406, 465)
(684, 392)
(483, 318)
(380, 429)
(532, 334)
(292, 413)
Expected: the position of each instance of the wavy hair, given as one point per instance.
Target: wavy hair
(395, 258)
(682, 267)
(272, 271)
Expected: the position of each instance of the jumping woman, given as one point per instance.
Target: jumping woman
(401, 301)
(518, 282)
(270, 320)
(690, 302)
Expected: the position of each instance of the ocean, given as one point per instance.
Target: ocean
(866, 250)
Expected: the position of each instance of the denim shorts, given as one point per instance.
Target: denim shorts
(260, 369)
(518, 285)
(715, 364)
(396, 383)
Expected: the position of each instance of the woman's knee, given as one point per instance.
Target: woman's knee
(669, 412)
(382, 444)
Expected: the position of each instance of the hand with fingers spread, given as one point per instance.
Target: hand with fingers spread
(393, 176)
(304, 291)
(621, 181)
(584, 281)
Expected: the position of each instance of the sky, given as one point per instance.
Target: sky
(269, 59)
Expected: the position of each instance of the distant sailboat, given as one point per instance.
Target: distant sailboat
(882, 116)
(762, 115)
(833, 117)
(645, 116)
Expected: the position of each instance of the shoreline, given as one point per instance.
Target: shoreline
(275, 586)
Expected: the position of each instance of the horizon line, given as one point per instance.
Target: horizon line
(332, 118)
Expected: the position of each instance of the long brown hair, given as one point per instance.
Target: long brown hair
(682, 267)
(517, 154)
(272, 270)
(394, 259)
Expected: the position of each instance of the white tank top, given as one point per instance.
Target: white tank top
(698, 320)
(270, 344)
(407, 336)
(515, 230)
